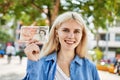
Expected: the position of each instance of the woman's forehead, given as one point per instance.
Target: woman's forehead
(71, 24)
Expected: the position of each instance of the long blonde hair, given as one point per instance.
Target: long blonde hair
(53, 43)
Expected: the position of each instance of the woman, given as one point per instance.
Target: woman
(63, 56)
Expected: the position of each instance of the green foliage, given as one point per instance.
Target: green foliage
(118, 51)
(99, 54)
(102, 10)
(4, 37)
(24, 10)
(41, 22)
(29, 11)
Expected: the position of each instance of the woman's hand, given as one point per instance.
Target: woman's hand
(32, 50)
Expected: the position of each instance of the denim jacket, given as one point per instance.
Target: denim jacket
(45, 68)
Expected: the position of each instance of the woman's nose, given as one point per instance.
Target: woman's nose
(71, 35)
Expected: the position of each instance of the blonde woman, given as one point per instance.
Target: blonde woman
(63, 56)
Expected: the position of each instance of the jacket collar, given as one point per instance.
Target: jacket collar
(78, 60)
(53, 56)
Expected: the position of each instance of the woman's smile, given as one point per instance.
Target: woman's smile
(69, 42)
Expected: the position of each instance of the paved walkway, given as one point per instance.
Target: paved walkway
(16, 71)
(108, 76)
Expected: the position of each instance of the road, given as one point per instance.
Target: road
(16, 71)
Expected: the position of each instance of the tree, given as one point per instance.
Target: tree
(29, 11)
(33, 8)
(101, 11)
(4, 37)
(104, 16)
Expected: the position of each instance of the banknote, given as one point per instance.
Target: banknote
(39, 33)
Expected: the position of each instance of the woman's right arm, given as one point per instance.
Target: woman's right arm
(33, 70)
(32, 52)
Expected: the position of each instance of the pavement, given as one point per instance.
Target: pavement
(104, 75)
(16, 71)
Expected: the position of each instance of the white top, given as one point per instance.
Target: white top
(60, 75)
(10, 49)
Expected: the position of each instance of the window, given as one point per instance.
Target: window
(104, 37)
(117, 37)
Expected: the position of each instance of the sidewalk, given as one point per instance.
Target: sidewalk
(16, 71)
(108, 76)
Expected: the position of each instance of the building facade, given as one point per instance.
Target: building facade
(109, 42)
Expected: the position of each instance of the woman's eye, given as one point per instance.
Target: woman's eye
(77, 31)
(65, 30)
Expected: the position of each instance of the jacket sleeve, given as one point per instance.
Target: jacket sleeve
(95, 73)
(32, 72)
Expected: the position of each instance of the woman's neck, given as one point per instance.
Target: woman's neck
(64, 59)
(66, 56)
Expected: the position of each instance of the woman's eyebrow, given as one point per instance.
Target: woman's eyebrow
(64, 28)
(78, 29)
(74, 29)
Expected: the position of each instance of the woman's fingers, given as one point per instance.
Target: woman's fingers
(30, 42)
(32, 51)
(34, 41)
(39, 43)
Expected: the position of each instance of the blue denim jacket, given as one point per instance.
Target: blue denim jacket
(45, 68)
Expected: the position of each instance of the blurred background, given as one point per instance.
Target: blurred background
(102, 18)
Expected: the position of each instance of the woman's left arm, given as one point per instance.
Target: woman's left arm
(95, 73)
(32, 72)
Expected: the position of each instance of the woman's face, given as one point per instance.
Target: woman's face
(69, 34)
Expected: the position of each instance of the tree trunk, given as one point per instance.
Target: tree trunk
(55, 10)
(51, 15)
